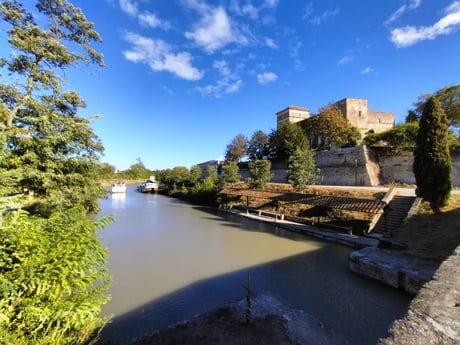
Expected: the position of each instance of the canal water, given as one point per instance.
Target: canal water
(171, 261)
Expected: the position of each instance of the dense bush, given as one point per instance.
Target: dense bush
(397, 140)
(53, 278)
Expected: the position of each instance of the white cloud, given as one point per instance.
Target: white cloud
(318, 19)
(214, 31)
(222, 87)
(410, 35)
(129, 7)
(149, 19)
(367, 70)
(270, 43)
(346, 59)
(266, 77)
(158, 55)
(222, 67)
(412, 5)
(250, 10)
(228, 83)
(271, 3)
(146, 18)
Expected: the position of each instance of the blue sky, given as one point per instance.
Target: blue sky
(183, 77)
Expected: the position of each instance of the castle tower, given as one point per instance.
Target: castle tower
(292, 114)
(360, 116)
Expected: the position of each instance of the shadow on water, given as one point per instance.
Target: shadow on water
(317, 281)
(355, 308)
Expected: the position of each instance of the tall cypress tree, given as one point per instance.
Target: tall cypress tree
(432, 163)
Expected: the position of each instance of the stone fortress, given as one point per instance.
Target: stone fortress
(354, 110)
(358, 166)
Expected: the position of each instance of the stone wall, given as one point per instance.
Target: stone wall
(359, 166)
(398, 169)
(434, 314)
(380, 121)
(345, 166)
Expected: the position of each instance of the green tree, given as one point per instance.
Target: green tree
(229, 174)
(258, 146)
(175, 180)
(106, 170)
(329, 127)
(302, 170)
(136, 171)
(195, 174)
(237, 148)
(211, 175)
(432, 163)
(259, 173)
(411, 117)
(286, 139)
(48, 145)
(205, 192)
(449, 99)
(53, 277)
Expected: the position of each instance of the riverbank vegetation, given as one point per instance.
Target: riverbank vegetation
(53, 274)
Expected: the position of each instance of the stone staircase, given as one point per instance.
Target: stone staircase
(399, 207)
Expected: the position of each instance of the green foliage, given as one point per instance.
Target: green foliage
(105, 171)
(136, 171)
(229, 174)
(195, 174)
(397, 140)
(174, 180)
(53, 278)
(449, 99)
(353, 138)
(285, 140)
(302, 170)
(432, 163)
(258, 146)
(205, 192)
(411, 116)
(237, 148)
(182, 183)
(259, 173)
(47, 148)
(330, 127)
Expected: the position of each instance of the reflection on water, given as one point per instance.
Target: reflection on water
(118, 200)
(170, 260)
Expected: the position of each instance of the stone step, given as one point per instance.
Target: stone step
(398, 209)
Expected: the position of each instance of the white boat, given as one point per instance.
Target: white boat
(149, 186)
(119, 187)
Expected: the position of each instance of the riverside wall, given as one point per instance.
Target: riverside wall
(398, 169)
(360, 166)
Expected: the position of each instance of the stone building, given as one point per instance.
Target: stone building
(292, 114)
(354, 109)
(363, 118)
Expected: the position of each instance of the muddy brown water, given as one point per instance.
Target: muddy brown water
(171, 260)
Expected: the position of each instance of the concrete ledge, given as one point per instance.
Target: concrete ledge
(348, 240)
(392, 268)
(434, 314)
